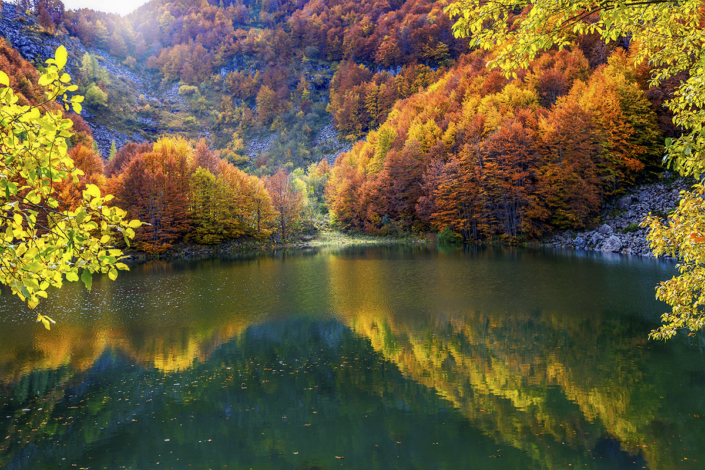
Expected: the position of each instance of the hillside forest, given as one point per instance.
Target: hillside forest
(270, 118)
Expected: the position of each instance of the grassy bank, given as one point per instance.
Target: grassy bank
(321, 239)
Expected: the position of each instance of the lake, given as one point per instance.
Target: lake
(384, 357)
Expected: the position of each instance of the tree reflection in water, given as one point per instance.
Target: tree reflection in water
(484, 357)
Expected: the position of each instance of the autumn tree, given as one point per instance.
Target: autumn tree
(124, 157)
(286, 201)
(207, 208)
(260, 208)
(155, 188)
(267, 105)
(86, 160)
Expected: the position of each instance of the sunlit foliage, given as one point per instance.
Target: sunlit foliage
(51, 229)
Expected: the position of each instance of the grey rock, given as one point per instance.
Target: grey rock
(605, 229)
(612, 244)
(624, 202)
(596, 238)
(330, 144)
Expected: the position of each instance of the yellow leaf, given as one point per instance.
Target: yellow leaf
(44, 80)
(135, 223)
(4, 80)
(92, 190)
(60, 57)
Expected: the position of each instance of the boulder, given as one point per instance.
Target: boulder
(596, 238)
(612, 244)
(624, 202)
(605, 229)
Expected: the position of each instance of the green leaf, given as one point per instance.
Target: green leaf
(87, 278)
(72, 276)
(60, 57)
(80, 215)
(34, 266)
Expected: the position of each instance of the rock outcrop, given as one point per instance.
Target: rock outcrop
(620, 231)
(329, 143)
(23, 34)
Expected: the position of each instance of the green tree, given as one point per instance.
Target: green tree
(668, 36)
(95, 97)
(91, 72)
(41, 245)
(113, 151)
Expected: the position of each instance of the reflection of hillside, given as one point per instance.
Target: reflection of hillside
(526, 381)
(353, 404)
(532, 385)
(78, 348)
(543, 364)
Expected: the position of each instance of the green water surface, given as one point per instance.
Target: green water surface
(362, 358)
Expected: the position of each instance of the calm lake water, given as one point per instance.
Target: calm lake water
(374, 358)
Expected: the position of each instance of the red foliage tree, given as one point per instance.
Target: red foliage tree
(124, 157)
(286, 201)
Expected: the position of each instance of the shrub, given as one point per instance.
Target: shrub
(631, 228)
(187, 90)
(96, 97)
(449, 237)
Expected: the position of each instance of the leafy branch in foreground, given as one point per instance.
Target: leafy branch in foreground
(40, 244)
(669, 37)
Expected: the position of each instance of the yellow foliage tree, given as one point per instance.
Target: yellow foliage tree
(42, 245)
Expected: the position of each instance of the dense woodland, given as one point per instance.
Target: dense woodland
(487, 156)
(441, 143)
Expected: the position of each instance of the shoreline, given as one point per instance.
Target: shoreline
(618, 231)
(322, 239)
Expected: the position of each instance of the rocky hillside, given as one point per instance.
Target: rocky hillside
(140, 107)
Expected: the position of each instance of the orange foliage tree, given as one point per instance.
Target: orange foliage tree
(155, 188)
